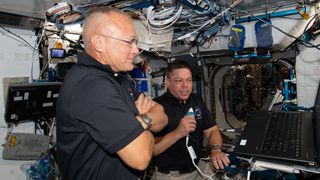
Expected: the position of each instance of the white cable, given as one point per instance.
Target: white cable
(48, 62)
(187, 140)
(155, 43)
(250, 161)
(209, 3)
(132, 81)
(53, 123)
(144, 22)
(149, 27)
(164, 13)
(9, 131)
(39, 127)
(246, 159)
(210, 21)
(34, 52)
(162, 28)
(248, 175)
(194, 22)
(192, 159)
(152, 21)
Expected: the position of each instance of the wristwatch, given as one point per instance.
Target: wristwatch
(147, 119)
(215, 147)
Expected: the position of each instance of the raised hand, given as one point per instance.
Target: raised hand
(187, 124)
(144, 104)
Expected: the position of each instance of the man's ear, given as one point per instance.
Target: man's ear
(166, 81)
(97, 43)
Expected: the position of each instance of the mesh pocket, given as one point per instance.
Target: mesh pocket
(237, 37)
(263, 34)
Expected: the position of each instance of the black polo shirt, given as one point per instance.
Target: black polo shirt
(176, 157)
(95, 119)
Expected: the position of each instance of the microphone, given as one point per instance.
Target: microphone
(190, 148)
(190, 112)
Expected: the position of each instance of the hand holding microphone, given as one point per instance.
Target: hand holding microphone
(190, 113)
(187, 124)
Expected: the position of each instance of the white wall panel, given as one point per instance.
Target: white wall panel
(15, 61)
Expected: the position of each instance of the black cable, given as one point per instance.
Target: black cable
(304, 42)
(279, 7)
(281, 175)
(26, 42)
(65, 38)
(305, 29)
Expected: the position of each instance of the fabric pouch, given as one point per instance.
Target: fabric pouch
(263, 34)
(237, 37)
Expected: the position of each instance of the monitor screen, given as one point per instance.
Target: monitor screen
(31, 101)
(57, 53)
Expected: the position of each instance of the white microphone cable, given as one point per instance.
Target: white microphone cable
(191, 151)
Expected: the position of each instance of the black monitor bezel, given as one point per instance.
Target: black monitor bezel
(58, 53)
(31, 101)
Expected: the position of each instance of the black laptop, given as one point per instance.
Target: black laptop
(283, 135)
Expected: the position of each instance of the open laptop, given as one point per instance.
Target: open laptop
(295, 139)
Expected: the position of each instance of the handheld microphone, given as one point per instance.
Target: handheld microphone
(190, 112)
(190, 148)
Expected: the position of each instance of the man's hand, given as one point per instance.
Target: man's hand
(155, 111)
(187, 124)
(144, 104)
(219, 159)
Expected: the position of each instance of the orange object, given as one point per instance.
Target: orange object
(305, 15)
(58, 45)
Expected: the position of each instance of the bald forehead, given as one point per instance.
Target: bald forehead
(106, 14)
(110, 20)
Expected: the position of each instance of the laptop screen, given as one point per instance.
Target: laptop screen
(317, 122)
(31, 101)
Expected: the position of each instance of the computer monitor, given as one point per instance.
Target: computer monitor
(57, 53)
(31, 101)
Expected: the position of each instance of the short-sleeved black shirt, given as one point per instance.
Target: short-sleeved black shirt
(95, 119)
(176, 157)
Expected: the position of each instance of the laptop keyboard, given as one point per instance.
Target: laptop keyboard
(283, 135)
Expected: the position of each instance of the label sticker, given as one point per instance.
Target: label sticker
(13, 116)
(243, 142)
(49, 94)
(48, 104)
(26, 96)
(17, 98)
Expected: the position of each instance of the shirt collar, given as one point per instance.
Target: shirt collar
(176, 100)
(87, 60)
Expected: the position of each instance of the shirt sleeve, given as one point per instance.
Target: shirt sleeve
(105, 114)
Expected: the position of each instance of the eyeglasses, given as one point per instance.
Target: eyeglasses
(130, 42)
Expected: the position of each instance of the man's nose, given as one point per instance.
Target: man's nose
(135, 49)
(184, 83)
